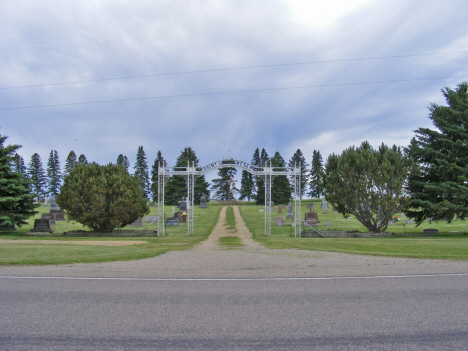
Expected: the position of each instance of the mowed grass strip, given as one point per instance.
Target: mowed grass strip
(230, 241)
(230, 219)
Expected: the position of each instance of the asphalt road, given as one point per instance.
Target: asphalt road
(428, 312)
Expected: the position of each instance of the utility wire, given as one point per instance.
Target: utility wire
(230, 69)
(223, 92)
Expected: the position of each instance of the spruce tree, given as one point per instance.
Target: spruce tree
(280, 187)
(123, 161)
(53, 173)
(176, 186)
(37, 176)
(220, 185)
(126, 163)
(298, 159)
(70, 163)
(141, 170)
(82, 160)
(260, 181)
(18, 162)
(154, 175)
(438, 184)
(120, 160)
(316, 176)
(247, 190)
(16, 201)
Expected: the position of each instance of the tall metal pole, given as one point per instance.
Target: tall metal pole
(265, 190)
(187, 202)
(193, 197)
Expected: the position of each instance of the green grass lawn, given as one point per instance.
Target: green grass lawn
(175, 239)
(230, 241)
(230, 220)
(446, 245)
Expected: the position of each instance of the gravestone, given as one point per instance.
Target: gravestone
(310, 206)
(431, 231)
(9, 227)
(409, 221)
(403, 215)
(150, 219)
(327, 224)
(53, 204)
(59, 215)
(137, 223)
(429, 219)
(391, 222)
(173, 211)
(311, 218)
(333, 209)
(183, 206)
(50, 217)
(280, 209)
(41, 226)
(324, 206)
(179, 217)
(152, 204)
(278, 221)
(283, 206)
(203, 202)
(261, 210)
(289, 214)
(172, 222)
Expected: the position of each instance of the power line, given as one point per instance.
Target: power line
(223, 93)
(230, 69)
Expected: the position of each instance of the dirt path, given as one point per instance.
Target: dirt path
(220, 230)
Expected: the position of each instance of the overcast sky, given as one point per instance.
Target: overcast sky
(223, 77)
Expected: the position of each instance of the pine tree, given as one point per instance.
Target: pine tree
(280, 187)
(220, 185)
(70, 163)
(18, 163)
(126, 163)
(438, 184)
(37, 176)
(53, 173)
(16, 201)
(123, 161)
(120, 160)
(260, 181)
(317, 175)
(247, 189)
(141, 170)
(176, 186)
(154, 175)
(299, 159)
(82, 160)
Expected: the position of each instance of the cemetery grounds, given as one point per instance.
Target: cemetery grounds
(15, 249)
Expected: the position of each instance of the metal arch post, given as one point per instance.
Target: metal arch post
(161, 181)
(299, 170)
(270, 180)
(193, 198)
(265, 206)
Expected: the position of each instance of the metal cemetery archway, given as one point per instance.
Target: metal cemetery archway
(268, 172)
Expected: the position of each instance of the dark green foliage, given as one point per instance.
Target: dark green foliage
(102, 197)
(280, 188)
(37, 176)
(70, 163)
(316, 176)
(221, 185)
(154, 175)
(176, 186)
(16, 201)
(54, 174)
(82, 160)
(367, 183)
(438, 184)
(298, 159)
(247, 190)
(18, 165)
(123, 161)
(141, 171)
(260, 181)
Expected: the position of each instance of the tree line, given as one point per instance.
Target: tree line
(428, 180)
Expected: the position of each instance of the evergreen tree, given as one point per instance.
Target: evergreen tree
(82, 160)
(18, 165)
(247, 189)
(126, 163)
(120, 160)
(260, 181)
(123, 161)
(53, 173)
(220, 185)
(176, 186)
(316, 176)
(37, 176)
(102, 197)
(438, 184)
(280, 187)
(154, 175)
(141, 171)
(299, 159)
(70, 163)
(16, 201)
